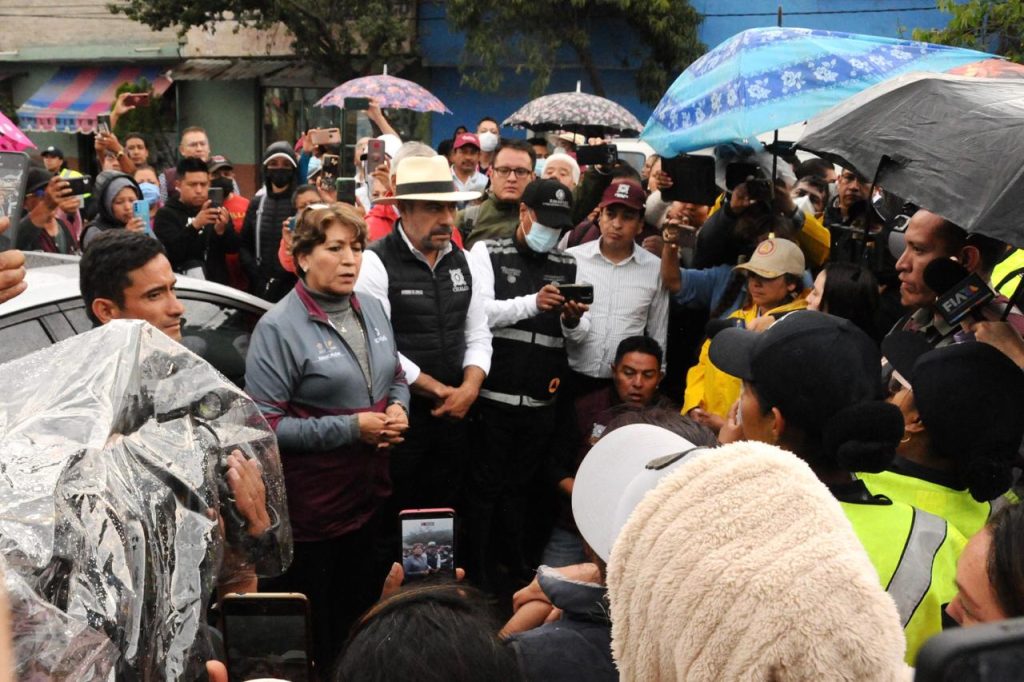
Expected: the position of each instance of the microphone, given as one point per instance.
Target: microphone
(963, 293)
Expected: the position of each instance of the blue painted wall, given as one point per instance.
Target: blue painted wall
(618, 51)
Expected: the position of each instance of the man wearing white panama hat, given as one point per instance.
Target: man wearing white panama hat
(425, 284)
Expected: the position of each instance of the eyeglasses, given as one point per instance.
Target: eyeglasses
(505, 171)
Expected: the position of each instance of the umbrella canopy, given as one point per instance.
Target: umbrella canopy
(575, 111)
(388, 91)
(950, 144)
(11, 138)
(767, 78)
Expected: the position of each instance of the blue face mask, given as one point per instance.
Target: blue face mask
(542, 238)
(538, 167)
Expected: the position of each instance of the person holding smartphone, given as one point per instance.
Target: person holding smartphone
(117, 192)
(41, 229)
(324, 369)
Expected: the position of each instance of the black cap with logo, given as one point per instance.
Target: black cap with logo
(551, 201)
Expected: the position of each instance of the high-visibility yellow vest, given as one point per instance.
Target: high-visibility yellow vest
(959, 509)
(1014, 261)
(915, 555)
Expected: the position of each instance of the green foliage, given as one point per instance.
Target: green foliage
(341, 38)
(527, 34)
(989, 25)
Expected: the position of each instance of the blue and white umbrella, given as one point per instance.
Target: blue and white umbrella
(767, 78)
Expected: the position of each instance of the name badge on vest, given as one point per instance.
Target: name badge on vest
(458, 280)
(411, 292)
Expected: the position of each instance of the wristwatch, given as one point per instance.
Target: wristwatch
(400, 404)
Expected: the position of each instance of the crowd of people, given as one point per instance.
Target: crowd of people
(748, 446)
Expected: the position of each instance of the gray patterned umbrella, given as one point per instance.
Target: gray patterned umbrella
(577, 112)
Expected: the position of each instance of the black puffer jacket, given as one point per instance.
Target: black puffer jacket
(261, 234)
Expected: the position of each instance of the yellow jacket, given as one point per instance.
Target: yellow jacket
(712, 389)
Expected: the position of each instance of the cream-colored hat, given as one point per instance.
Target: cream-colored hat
(775, 257)
(426, 179)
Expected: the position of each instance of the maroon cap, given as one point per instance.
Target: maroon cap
(626, 192)
(467, 138)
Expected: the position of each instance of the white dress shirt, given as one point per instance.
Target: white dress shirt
(629, 300)
(507, 312)
(373, 280)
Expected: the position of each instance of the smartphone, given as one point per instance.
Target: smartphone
(13, 178)
(346, 189)
(140, 209)
(356, 103)
(291, 224)
(330, 165)
(428, 543)
(216, 197)
(738, 173)
(267, 635)
(137, 99)
(693, 179)
(597, 155)
(80, 185)
(581, 293)
(325, 136)
(103, 123)
(374, 157)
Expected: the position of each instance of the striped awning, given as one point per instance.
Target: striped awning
(70, 101)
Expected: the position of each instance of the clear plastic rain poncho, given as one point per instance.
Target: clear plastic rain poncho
(114, 504)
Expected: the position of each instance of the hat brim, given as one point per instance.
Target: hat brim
(445, 197)
(732, 351)
(613, 478)
(762, 272)
(553, 218)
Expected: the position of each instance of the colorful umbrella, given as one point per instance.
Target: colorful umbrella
(12, 139)
(574, 111)
(388, 91)
(768, 78)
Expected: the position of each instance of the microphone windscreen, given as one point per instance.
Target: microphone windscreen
(942, 274)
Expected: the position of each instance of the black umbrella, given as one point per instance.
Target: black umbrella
(578, 112)
(950, 144)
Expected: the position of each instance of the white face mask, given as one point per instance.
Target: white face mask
(542, 238)
(804, 204)
(488, 142)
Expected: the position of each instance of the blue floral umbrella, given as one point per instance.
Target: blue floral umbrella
(766, 78)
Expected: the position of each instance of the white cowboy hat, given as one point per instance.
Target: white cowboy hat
(426, 179)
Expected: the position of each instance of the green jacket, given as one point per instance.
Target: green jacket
(492, 219)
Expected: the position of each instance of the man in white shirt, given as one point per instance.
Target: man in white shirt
(465, 165)
(629, 297)
(440, 326)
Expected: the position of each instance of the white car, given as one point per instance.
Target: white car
(218, 319)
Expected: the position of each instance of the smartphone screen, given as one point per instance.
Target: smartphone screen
(139, 99)
(330, 166)
(267, 636)
(103, 123)
(693, 179)
(13, 176)
(216, 197)
(428, 543)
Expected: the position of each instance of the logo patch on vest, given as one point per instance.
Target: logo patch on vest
(511, 274)
(458, 281)
(411, 292)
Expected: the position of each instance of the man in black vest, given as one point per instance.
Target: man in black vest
(425, 284)
(518, 278)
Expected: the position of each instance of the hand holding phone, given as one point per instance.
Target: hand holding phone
(136, 99)
(578, 293)
(13, 178)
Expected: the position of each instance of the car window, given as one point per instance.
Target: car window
(634, 159)
(21, 339)
(219, 333)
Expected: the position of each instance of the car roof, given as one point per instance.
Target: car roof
(53, 278)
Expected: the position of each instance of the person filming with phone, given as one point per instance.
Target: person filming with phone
(194, 227)
(117, 193)
(41, 229)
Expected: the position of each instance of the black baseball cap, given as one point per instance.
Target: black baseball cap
(52, 151)
(37, 179)
(809, 364)
(551, 201)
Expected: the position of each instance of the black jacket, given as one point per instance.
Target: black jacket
(188, 247)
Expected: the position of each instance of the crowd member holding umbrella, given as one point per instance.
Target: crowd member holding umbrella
(324, 370)
(961, 405)
(810, 385)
